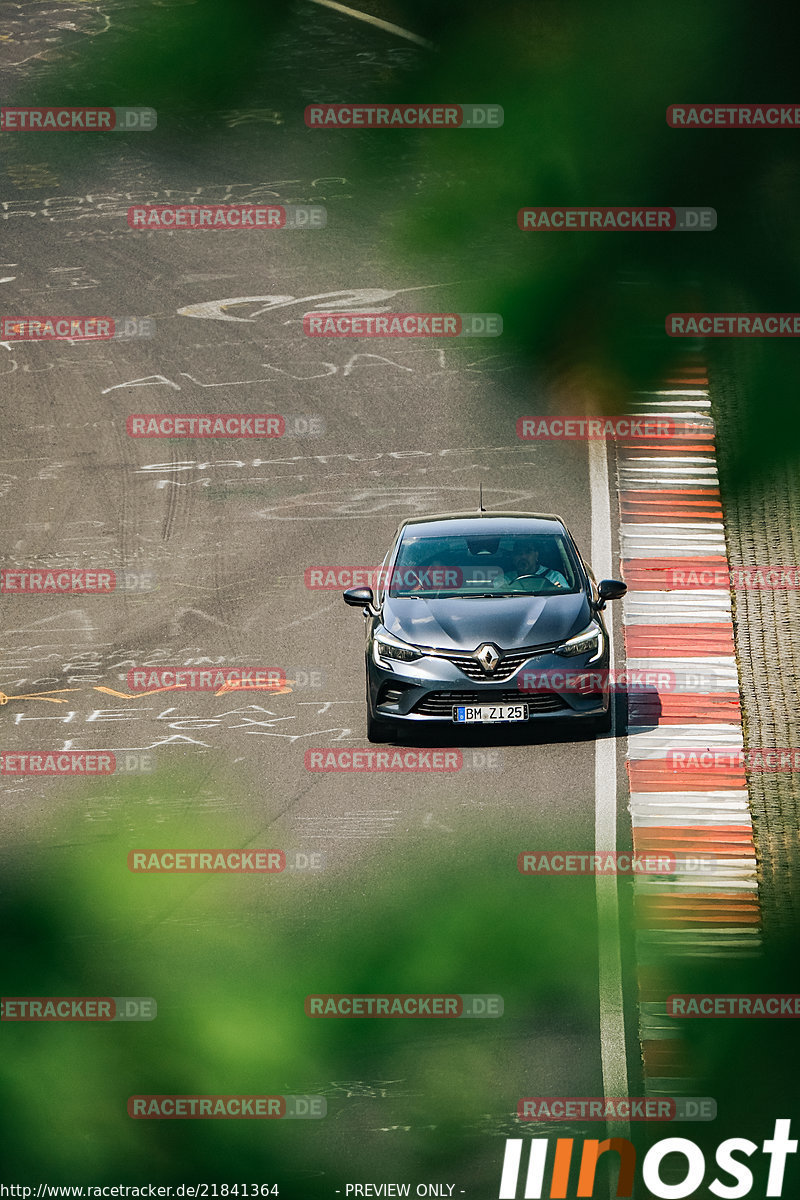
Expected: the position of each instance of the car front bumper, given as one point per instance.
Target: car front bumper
(426, 691)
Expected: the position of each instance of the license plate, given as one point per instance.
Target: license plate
(484, 714)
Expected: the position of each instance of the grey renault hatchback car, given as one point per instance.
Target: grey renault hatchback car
(482, 619)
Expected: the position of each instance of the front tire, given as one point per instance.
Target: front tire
(377, 730)
(601, 724)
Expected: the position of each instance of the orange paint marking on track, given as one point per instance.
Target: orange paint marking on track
(48, 696)
(279, 688)
(174, 687)
(231, 686)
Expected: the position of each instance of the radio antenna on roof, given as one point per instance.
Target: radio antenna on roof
(480, 499)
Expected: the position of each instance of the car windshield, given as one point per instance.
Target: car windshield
(483, 564)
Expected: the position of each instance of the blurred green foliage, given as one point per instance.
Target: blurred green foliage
(230, 959)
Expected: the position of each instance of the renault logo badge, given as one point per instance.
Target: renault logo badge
(488, 656)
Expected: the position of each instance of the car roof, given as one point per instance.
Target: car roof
(472, 523)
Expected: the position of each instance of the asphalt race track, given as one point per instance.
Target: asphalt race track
(215, 537)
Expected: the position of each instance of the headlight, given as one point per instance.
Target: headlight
(591, 641)
(387, 646)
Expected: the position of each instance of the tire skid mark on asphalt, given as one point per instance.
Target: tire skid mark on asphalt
(349, 825)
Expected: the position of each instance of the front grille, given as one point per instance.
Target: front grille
(440, 704)
(508, 665)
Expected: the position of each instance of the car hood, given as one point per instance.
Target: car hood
(450, 623)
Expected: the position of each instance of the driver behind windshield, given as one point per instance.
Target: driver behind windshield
(527, 574)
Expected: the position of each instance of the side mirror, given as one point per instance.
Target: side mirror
(611, 589)
(359, 597)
